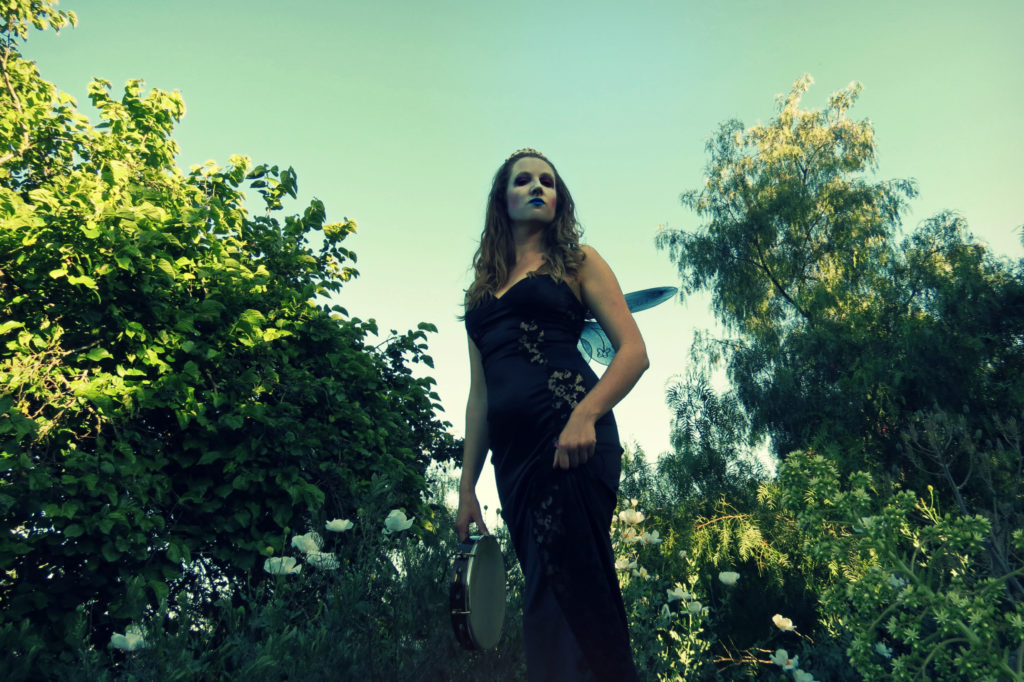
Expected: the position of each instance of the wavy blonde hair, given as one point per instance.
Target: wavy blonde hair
(496, 256)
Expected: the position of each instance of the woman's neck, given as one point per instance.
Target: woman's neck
(528, 240)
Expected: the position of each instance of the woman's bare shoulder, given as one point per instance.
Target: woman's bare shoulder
(592, 262)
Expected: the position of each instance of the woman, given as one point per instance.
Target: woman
(537, 406)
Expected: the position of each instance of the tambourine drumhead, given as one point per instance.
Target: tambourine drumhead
(477, 593)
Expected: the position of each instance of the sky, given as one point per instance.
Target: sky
(398, 113)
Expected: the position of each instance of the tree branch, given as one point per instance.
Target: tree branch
(26, 142)
(763, 265)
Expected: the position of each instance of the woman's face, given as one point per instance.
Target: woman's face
(531, 196)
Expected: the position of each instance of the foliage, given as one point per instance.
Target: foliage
(713, 452)
(887, 366)
(382, 614)
(838, 326)
(753, 535)
(173, 395)
(911, 584)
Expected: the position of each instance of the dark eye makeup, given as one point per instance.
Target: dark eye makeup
(545, 179)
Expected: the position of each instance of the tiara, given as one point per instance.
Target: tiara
(524, 152)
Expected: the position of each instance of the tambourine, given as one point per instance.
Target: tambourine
(476, 592)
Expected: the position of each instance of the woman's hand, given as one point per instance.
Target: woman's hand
(576, 443)
(469, 511)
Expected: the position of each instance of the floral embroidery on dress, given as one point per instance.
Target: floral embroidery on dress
(567, 389)
(530, 341)
(547, 529)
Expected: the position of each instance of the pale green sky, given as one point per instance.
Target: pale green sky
(398, 112)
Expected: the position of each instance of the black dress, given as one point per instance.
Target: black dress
(574, 622)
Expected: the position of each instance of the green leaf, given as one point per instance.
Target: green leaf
(97, 354)
(253, 318)
(165, 266)
(110, 551)
(82, 279)
(160, 590)
(232, 421)
(271, 334)
(211, 306)
(210, 456)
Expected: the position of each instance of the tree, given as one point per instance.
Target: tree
(174, 392)
(887, 373)
(839, 328)
(712, 455)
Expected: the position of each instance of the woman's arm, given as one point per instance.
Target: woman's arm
(474, 450)
(601, 293)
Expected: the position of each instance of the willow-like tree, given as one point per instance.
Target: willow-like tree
(173, 389)
(859, 349)
(840, 331)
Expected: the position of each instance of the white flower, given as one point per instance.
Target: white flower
(641, 573)
(310, 542)
(624, 564)
(632, 502)
(339, 525)
(729, 577)
(682, 554)
(325, 561)
(784, 624)
(631, 516)
(651, 538)
(677, 592)
(882, 649)
(781, 657)
(131, 640)
(396, 522)
(694, 607)
(665, 613)
(630, 535)
(803, 676)
(281, 565)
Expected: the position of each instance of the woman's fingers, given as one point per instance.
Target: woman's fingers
(469, 512)
(569, 457)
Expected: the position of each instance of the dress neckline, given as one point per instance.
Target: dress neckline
(528, 275)
(534, 274)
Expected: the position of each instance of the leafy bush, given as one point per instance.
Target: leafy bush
(172, 393)
(367, 605)
(914, 585)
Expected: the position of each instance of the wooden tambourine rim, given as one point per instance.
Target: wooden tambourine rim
(459, 592)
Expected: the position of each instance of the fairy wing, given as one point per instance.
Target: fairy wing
(595, 345)
(648, 298)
